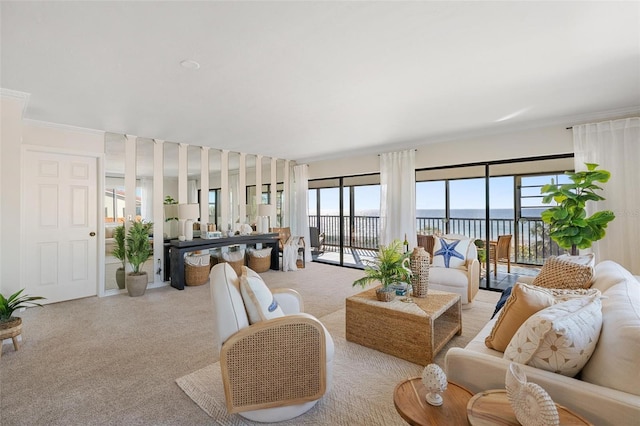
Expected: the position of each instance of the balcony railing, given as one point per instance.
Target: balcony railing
(531, 243)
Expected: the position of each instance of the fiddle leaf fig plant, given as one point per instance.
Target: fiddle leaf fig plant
(569, 225)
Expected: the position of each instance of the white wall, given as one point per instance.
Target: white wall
(526, 143)
(11, 106)
(16, 133)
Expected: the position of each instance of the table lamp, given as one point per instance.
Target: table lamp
(187, 214)
(264, 216)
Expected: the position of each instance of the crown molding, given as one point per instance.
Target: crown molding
(16, 95)
(63, 127)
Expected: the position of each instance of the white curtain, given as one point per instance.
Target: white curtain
(398, 197)
(192, 191)
(300, 206)
(615, 146)
(146, 199)
(234, 207)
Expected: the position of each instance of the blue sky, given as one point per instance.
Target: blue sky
(464, 193)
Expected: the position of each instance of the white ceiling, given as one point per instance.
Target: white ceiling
(313, 80)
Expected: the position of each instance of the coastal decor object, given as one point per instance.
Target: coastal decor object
(568, 223)
(420, 261)
(391, 266)
(435, 381)
(531, 404)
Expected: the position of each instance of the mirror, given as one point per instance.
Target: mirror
(234, 206)
(144, 192)
(170, 189)
(114, 198)
(250, 180)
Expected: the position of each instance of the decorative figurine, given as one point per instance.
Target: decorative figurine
(435, 381)
(531, 404)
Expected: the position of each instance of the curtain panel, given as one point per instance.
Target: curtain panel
(300, 206)
(615, 146)
(398, 197)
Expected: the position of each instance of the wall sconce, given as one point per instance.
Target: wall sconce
(188, 213)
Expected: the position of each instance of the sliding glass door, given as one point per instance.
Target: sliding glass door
(347, 212)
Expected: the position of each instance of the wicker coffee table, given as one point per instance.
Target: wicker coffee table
(413, 331)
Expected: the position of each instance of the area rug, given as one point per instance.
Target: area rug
(363, 379)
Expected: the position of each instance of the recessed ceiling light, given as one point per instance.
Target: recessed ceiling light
(190, 64)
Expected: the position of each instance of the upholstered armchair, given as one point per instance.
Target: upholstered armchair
(276, 362)
(455, 267)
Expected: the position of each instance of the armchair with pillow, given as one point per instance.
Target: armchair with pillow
(455, 267)
(276, 362)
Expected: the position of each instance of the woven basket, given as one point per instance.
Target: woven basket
(259, 264)
(10, 328)
(419, 262)
(385, 294)
(235, 264)
(195, 275)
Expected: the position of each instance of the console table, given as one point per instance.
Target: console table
(177, 250)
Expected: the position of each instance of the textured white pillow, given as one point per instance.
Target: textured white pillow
(560, 338)
(450, 253)
(258, 300)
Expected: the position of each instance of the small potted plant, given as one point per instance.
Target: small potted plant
(390, 267)
(10, 326)
(569, 225)
(120, 253)
(138, 249)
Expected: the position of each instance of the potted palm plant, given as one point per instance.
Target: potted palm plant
(11, 326)
(569, 225)
(391, 266)
(138, 249)
(120, 253)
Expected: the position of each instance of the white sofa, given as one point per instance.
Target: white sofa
(608, 392)
(463, 280)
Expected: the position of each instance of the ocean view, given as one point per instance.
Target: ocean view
(455, 213)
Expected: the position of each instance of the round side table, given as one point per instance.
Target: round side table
(491, 408)
(409, 400)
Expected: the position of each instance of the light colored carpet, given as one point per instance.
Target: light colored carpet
(114, 360)
(363, 379)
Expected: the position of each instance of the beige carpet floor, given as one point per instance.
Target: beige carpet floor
(115, 360)
(363, 379)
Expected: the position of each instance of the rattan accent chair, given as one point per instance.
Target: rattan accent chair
(275, 369)
(500, 251)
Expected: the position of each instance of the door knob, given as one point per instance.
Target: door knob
(92, 234)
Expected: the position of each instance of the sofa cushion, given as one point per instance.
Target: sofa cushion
(616, 360)
(524, 301)
(230, 313)
(450, 253)
(562, 272)
(258, 299)
(560, 338)
(607, 274)
(450, 277)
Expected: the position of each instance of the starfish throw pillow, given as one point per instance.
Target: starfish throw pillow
(450, 253)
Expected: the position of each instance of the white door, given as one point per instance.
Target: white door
(60, 226)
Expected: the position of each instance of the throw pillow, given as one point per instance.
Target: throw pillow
(562, 273)
(560, 338)
(258, 300)
(524, 301)
(450, 253)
